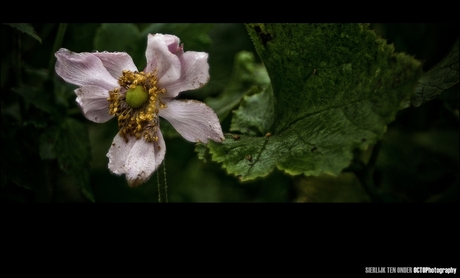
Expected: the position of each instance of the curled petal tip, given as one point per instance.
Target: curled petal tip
(135, 182)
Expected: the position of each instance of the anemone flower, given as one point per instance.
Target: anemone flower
(111, 86)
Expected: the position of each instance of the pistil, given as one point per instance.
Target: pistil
(136, 103)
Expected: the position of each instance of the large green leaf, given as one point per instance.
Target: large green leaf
(335, 88)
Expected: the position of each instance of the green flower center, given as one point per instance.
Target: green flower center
(136, 97)
(137, 109)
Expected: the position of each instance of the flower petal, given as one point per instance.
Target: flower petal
(116, 62)
(93, 103)
(195, 73)
(137, 159)
(160, 58)
(194, 120)
(83, 69)
(176, 71)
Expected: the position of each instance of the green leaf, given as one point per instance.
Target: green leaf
(440, 78)
(256, 113)
(247, 78)
(335, 88)
(69, 143)
(26, 28)
(201, 150)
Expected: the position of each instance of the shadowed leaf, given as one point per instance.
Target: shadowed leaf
(27, 29)
(440, 78)
(69, 143)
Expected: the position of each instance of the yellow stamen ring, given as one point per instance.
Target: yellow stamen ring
(136, 104)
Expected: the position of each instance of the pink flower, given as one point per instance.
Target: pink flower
(111, 86)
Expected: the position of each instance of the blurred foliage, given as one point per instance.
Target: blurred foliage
(345, 188)
(51, 153)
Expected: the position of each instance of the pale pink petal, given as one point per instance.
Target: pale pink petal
(116, 62)
(118, 153)
(83, 69)
(194, 74)
(93, 103)
(194, 120)
(137, 159)
(160, 58)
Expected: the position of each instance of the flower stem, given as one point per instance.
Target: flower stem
(162, 189)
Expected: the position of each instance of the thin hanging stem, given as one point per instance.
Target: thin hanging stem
(162, 189)
(159, 187)
(166, 185)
